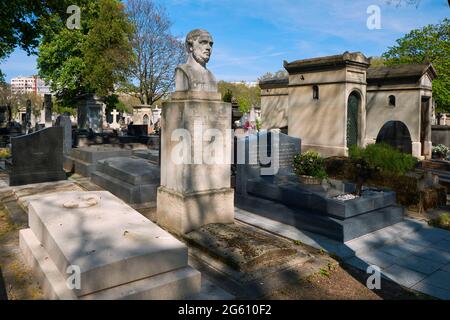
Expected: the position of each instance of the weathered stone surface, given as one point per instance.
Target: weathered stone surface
(65, 122)
(103, 236)
(182, 213)
(176, 284)
(241, 247)
(194, 76)
(151, 155)
(133, 180)
(195, 193)
(84, 160)
(37, 157)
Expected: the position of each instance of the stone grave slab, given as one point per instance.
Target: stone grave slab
(37, 157)
(151, 155)
(133, 179)
(120, 253)
(84, 160)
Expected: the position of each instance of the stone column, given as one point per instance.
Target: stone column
(48, 110)
(194, 193)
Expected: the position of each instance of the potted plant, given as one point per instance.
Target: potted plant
(440, 152)
(310, 167)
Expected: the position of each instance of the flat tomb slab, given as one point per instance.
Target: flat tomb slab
(176, 284)
(132, 170)
(288, 191)
(241, 247)
(94, 153)
(109, 241)
(341, 230)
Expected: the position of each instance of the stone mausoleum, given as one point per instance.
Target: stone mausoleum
(337, 101)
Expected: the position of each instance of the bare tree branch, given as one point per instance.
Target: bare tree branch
(157, 51)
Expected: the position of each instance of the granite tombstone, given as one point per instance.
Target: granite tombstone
(37, 157)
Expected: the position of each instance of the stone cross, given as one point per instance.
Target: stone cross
(114, 124)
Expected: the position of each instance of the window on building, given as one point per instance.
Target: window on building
(392, 101)
(315, 92)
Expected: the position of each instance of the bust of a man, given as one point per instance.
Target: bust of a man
(194, 76)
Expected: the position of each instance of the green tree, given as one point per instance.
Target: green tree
(377, 62)
(90, 60)
(246, 96)
(280, 74)
(432, 44)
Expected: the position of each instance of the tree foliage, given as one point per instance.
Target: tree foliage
(157, 52)
(246, 96)
(90, 60)
(19, 25)
(280, 74)
(432, 44)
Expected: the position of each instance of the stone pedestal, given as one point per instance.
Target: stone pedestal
(195, 189)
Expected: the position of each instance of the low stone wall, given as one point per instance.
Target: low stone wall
(440, 135)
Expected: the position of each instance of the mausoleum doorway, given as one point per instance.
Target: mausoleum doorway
(397, 135)
(353, 123)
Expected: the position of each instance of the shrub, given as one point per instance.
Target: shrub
(440, 151)
(383, 158)
(310, 164)
(4, 153)
(443, 221)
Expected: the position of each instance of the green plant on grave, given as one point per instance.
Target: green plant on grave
(375, 159)
(384, 158)
(324, 272)
(443, 221)
(311, 164)
(5, 153)
(440, 151)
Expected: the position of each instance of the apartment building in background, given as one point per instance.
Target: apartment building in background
(31, 84)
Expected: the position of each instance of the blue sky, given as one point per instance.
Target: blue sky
(255, 36)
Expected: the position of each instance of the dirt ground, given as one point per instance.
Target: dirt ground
(18, 281)
(342, 283)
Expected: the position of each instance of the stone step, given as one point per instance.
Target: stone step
(131, 194)
(176, 284)
(103, 236)
(134, 171)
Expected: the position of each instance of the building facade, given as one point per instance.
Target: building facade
(337, 101)
(32, 84)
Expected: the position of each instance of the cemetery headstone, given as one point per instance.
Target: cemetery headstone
(48, 106)
(37, 157)
(135, 130)
(90, 113)
(65, 122)
(28, 117)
